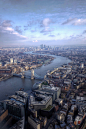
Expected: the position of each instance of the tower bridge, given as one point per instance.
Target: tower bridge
(34, 75)
(31, 74)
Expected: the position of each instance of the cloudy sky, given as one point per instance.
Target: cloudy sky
(32, 22)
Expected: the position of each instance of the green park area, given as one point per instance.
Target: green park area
(48, 108)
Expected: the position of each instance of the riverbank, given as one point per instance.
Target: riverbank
(9, 86)
(24, 68)
(5, 77)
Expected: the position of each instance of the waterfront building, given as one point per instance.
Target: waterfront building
(37, 85)
(17, 104)
(5, 71)
(15, 108)
(22, 94)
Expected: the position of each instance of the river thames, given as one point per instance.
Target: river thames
(8, 87)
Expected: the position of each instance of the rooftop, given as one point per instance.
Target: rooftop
(44, 100)
(14, 103)
(22, 93)
(50, 88)
(17, 98)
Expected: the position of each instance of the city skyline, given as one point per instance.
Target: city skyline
(36, 22)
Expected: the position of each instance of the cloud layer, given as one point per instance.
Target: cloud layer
(39, 20)
(75, 21)
(7, 33)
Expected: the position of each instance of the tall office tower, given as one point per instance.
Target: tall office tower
(44, 46)
(82, 65)
(0, 64)
(11, 60)
(41, 46)
(32, 74)
(15, 61)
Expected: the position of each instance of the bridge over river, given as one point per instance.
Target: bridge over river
(29, 75)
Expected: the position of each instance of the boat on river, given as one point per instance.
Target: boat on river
(21, 89)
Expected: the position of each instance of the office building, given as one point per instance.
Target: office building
(35, 123)
(55, 90)
(11, 60)
(19, 125)
(45, 93)
(3, 114)
(40, 101)
(17, 104)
